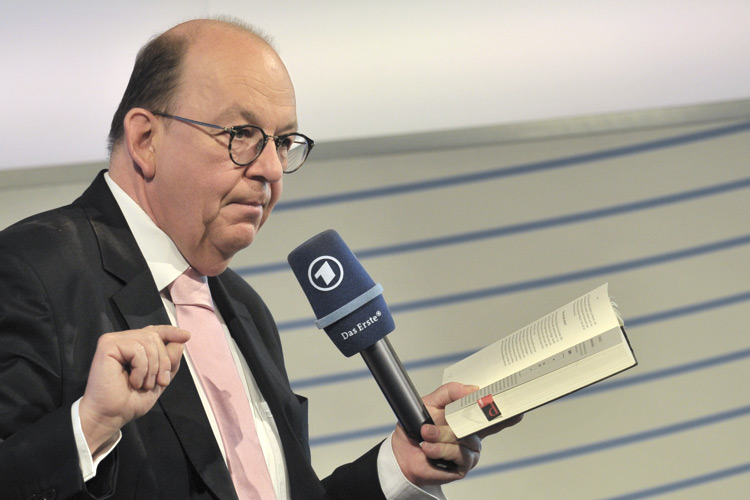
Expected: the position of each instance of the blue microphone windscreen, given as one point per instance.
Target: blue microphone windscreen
(345, 300)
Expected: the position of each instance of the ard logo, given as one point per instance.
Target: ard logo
(325, 273)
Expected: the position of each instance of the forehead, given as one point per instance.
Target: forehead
(234, 75)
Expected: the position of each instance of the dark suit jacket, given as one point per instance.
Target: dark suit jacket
(68, 276)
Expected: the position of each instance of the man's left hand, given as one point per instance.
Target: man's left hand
(440, 442)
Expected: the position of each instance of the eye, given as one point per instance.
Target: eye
(286, 143)
(245, 133)
(248, 138)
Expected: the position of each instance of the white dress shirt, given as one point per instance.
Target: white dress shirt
(166, 263)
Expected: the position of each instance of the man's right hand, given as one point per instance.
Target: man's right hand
(129, 372)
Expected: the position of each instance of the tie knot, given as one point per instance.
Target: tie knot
(191, 288)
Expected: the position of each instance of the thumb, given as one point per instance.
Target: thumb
(169, 333)
(447, 393)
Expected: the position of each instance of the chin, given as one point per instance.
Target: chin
(216, 252)
(240, 240)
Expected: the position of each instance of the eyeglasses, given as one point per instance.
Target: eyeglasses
(246, 143)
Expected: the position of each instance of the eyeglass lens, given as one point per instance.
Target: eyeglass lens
(247, 144)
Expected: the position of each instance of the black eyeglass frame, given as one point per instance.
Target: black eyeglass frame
(232, 131)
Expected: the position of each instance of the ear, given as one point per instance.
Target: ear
(140, 131)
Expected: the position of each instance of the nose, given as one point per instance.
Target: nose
(267, 165)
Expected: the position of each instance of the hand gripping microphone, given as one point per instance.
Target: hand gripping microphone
(350, 307)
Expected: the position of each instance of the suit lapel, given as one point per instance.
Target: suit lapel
(140, 304)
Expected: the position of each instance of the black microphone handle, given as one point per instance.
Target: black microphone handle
(399, 391)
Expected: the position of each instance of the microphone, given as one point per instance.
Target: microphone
(351, 309)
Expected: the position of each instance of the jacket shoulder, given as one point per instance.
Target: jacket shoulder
(35, 236)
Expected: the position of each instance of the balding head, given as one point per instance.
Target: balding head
(158, 67)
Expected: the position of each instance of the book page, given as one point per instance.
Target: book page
(570, 370)
(585, 317)
(595, 345)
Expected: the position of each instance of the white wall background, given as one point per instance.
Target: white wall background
(366, 69)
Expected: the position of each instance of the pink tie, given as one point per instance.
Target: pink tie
(221, 382)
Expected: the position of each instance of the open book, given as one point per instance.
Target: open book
(566, 350)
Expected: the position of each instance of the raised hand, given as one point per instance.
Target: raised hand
(129, 372)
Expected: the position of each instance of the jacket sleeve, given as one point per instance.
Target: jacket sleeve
(358, 479)
(38, 455)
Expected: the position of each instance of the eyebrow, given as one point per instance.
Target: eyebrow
(253, 119)
(247, 115)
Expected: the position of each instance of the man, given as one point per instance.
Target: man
(89, 414)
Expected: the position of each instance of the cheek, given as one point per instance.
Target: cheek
(196, 212)
(210, 195)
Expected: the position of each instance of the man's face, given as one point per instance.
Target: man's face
(210, 207)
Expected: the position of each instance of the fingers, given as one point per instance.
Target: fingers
(127, 375)
(439, 440)
(145, 357)
(464, 457)
(150, 355)
(443, 434)
(441, 443)
(174, 345)
(174, 352)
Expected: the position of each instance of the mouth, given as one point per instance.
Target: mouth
(248, 208)
(249, 203)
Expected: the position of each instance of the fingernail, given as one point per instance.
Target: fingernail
(431, 432)
(427, 447)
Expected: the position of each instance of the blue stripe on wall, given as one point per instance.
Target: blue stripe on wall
(562, 278)
(655, 433)
(502, 231)
(672, 371)
(686, 483)
(524, 169)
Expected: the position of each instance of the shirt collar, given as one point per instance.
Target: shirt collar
(164, 260)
